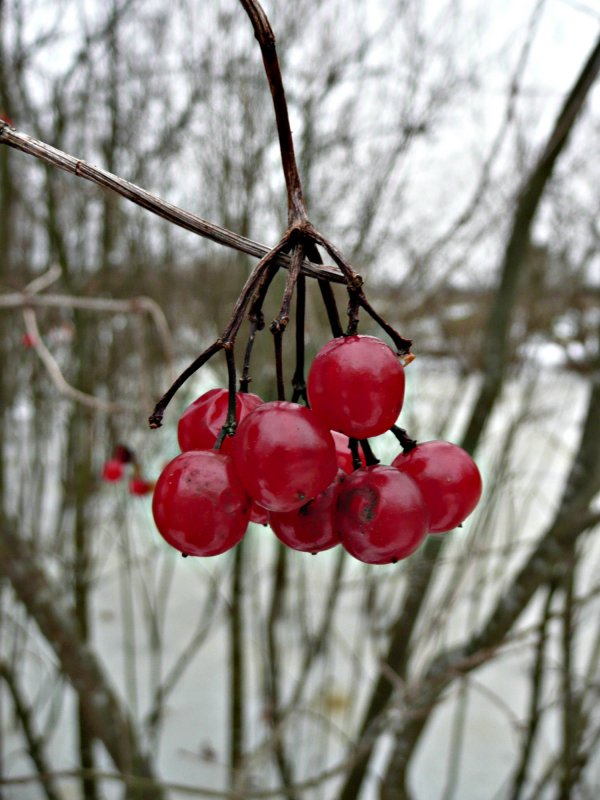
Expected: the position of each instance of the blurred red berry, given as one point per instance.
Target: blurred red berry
(140, 486)
(112, 470)
(28, 340)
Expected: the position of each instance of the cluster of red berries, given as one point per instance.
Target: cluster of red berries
(114, 470)
(301, 468)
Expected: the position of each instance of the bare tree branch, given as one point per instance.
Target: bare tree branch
(101, 707)
(183, 219)
(35, 744)
(494, 370)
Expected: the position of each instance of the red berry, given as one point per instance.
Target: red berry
(284, 455)
(448, 479)
(112, 470)
(28, 340)
(356, 386)
(310, 528)
(381, 515)
(140, 486)
(199, 504)
(258, 514)
(201, 422)
(343, 454)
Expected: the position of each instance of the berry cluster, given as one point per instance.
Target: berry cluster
(121, 460)
(309, 471)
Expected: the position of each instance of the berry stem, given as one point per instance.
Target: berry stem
(354, 283)
(253, 282)
(298, 379)
(402, 345)
(155, 419)
(277, 340)
(257, 323)
(326, 290)
(370, 457)
(229, 334)
(281, 320)
(257, 320)
(230, 425)
(406, 442)
(353, 445)
(353, 279)
(353, 306)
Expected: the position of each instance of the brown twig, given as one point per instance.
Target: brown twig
(135, 194)
(35, 744)
(266, 39)
(228, 337)
(104, 712)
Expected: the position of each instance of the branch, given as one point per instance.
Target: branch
(135, 194)
(35, 745)
(104, 713)
(55, 372)
(266, 39)
(548, 561)
(528, 201)
(133, 305)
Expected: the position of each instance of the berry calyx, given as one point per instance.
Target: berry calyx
(310, 528)
(201, 422)
(381, 515)
(199, 505)
(112, 470)
(284, 455)
(356, 386)
(448, 479)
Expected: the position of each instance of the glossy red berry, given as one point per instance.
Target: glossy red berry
(258, 514)
(310, 528)
(343, 454)
(112, 470)
(199, 504)
(448, 479)
(201, 422)
(284, 455)
(140, 486)
(356, 386)
(381, 515)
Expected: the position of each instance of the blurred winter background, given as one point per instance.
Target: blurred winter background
(432, 153)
